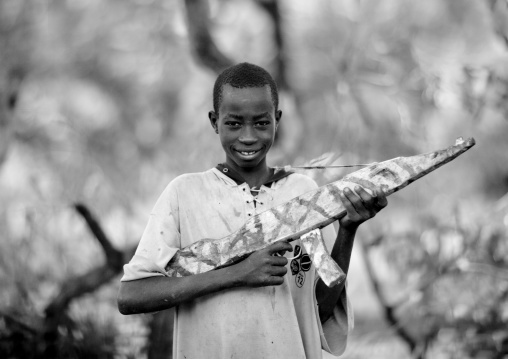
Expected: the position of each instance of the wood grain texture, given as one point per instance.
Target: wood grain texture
(309, 211)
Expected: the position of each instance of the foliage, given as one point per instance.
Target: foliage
(112, 104)
(452, 288)
(85, 338)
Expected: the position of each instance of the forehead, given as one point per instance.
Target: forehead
(247, 98)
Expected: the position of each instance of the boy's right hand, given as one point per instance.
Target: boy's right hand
(263, 268)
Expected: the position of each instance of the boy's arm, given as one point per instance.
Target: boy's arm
(152, 294)
(359, 208)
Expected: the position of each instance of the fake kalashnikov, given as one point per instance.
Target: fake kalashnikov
(304, 215)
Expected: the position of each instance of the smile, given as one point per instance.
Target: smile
(248, 153)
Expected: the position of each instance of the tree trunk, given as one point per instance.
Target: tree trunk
(160, 339)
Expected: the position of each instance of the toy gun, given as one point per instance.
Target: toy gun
(302, 216)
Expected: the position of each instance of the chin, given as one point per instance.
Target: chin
(247, 164)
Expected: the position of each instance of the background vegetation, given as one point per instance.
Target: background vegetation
(102, 103)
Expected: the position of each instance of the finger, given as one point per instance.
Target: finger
(278, 271)
(371, 202)
(279, 247)
(281, 254)
(276, 280)
(346, 202)
(356, 203)
(277, 261)
(381, 200)
(365, 196)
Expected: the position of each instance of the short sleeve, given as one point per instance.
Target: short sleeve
(160, 239)
(334, 332)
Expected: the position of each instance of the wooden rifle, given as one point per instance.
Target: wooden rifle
(303, 216)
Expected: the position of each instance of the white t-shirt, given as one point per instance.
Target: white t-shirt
(268, 322)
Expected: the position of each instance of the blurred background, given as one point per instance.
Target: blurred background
(102, 103)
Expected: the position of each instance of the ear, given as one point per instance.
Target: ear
(278, 116)
(213, 120)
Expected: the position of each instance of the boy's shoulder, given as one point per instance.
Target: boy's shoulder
(300, 180)
(193, 178)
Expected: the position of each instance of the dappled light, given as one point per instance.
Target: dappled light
(103, 103)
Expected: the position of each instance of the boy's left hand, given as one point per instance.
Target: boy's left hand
(360, 207)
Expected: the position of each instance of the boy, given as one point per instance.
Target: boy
(255, 308)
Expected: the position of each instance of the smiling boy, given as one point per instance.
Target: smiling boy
(264, 306)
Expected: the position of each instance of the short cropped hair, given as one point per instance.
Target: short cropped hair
(241, 76)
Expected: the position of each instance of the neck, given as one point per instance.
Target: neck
(254, 176)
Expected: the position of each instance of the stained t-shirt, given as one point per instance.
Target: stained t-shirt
(267, 322)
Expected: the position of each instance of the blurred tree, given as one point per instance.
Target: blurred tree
(455, 287)
(205, 50)
(15, 40)
(104, 102)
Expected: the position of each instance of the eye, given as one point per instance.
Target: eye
(263, 123)
(233, 124)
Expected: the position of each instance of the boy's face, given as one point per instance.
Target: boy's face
(246, 123)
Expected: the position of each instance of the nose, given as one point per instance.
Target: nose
(248, 136)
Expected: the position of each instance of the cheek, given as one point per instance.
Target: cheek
(269, 136)
(225, 138)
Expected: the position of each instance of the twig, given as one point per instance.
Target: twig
(289, 167)
(16, 321)
(483, 268)
(389, 311)
(114, 257)
(75, 287)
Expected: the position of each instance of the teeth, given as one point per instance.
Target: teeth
(247, 153)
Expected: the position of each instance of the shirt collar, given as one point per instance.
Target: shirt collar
(276, 174)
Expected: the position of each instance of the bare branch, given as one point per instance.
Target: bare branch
(160, 338)
(499, 10)
(114, 257)
(389, 311)
(17, 322)
(272, 9)
(203, 45)
(10, 82)
(75, 287)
